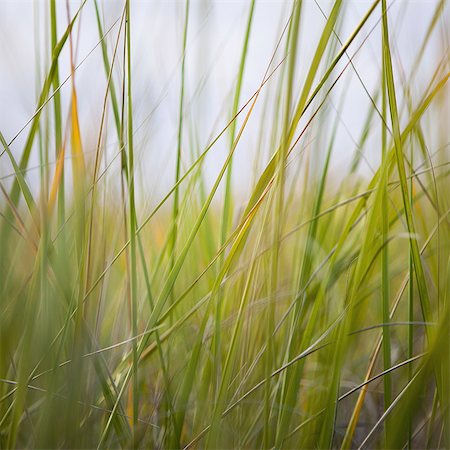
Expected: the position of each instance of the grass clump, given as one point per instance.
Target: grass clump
(308, 311)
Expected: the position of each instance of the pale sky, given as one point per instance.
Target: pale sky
(215, 36)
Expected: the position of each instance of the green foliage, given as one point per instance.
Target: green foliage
(314, 316)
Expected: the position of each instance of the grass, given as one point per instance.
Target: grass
(310, 311)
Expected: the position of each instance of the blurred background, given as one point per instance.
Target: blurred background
(215, 38)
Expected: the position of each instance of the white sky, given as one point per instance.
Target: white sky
(216, 32)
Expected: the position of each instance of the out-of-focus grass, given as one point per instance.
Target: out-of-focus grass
(316, 315)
